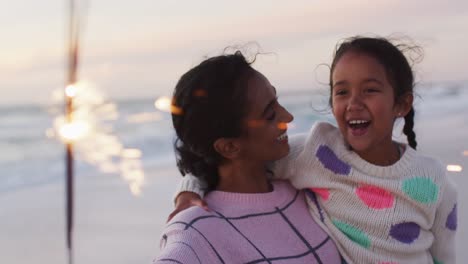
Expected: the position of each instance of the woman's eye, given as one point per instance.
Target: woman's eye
(272, 116)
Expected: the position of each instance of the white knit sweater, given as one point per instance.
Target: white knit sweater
(403, 213)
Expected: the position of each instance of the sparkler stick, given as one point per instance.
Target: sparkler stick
(71, 80)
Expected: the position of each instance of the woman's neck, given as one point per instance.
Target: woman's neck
(240, 177)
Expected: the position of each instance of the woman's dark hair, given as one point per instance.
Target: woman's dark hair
(209, 103)
(397, 67)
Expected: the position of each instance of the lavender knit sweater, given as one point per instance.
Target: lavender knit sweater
(270, 227)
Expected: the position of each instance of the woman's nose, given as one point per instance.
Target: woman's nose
(286, 118)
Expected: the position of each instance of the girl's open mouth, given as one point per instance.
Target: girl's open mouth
(359, 127)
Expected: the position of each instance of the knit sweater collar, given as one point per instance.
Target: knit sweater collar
(279, 196)
(335, 140)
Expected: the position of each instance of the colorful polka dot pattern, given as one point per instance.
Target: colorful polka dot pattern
(405, 232)
(322, 192)
(375, 197)
(353, 233)
(330, 161)
(420, 189)
(451, 222)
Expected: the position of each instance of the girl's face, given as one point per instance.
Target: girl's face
(266, 123)
(363, 104)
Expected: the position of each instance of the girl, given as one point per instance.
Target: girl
(229, 124)
(380, 200)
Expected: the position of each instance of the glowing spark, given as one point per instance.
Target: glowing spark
(131, 153)
(454, 168)
(163, 103)
(91, 132)
(74, 131)
(200, 93)
(176, 110)
(291, 125)
(135, 189)
(108, 167)
(70, 91)
(255, 123)
(144, 117)
(282, 125)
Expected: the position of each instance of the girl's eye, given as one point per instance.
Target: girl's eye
(340, 92)
(372, 90)
(272, 116)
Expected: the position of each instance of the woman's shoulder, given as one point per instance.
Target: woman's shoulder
(187, 218)
(182, 239)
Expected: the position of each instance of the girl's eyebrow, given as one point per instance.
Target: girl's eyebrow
(372, 80)
(343, 82)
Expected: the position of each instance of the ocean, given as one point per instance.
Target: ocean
(27, 150)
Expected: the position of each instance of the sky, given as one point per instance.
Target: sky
(139, 49)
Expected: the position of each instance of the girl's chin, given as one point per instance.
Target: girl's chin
(357, 147)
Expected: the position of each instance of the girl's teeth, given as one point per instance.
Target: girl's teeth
(357, 122)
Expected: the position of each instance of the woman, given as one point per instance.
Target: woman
(229, 125)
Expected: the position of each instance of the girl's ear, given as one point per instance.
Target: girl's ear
(404, 104)
(227, 147)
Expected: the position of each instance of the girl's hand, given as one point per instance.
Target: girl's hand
(186, 200)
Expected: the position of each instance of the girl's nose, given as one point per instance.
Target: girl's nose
(355, 103)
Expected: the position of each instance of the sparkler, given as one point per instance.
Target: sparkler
(70, 92)
(454, 168)
(83, 130)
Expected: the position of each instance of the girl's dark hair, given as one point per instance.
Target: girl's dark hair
(209, 103)
(397, 67)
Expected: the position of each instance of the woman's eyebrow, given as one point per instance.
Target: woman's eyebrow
(269, 105)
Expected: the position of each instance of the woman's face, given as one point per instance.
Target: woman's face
(266, 122)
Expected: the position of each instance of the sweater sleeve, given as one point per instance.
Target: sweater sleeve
(445, 225)
(190, 183)
(285, 168)
(184, 246)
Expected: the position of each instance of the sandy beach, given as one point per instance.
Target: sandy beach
(113, 226)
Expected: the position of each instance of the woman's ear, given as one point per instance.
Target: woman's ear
(227, 147)
(404, 104)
